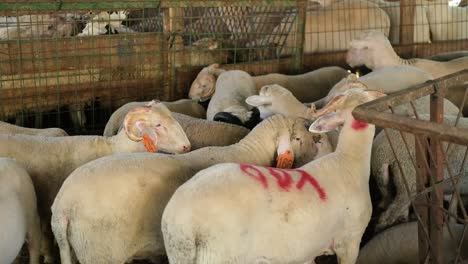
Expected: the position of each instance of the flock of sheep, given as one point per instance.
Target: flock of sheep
(106, 208)
(294, 187)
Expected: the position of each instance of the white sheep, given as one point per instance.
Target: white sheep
(6, 128)
(105, 21)
(305, 87)
(399, 244)
(49, 160)
(18, 210)
(183, 106)
(203, 133)
(38, 26)
(332, 27)
(384, 163)
(133, 190)
(374, 50)
(420, 21)
(228, 102)
(447, 22)
(242, 213)
(274, 99)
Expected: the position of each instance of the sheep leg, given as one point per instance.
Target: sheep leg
(398, 211)
(382, 181)
(34, 239)
(38, 119)
(348, 251)
(46, 242)
(60, 227)
(77, 116)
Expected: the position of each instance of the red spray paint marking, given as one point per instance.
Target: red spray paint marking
(258, 176)
(358, 125)
(283, 178)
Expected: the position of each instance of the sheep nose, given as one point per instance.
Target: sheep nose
(186, 148)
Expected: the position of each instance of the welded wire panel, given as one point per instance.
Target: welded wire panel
(420, 177)
(92, 56)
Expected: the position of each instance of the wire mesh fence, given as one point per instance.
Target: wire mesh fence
(428, 166)
(71, 67)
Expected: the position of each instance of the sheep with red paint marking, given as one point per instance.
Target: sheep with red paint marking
(133, 190)
(49, 160)
(241, 213)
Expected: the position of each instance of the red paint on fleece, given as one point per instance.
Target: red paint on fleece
(306, 177)
(258, 175)
(358, 125)
(283, 178)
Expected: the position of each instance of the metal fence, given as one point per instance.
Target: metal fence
(88, 57)
(71, 63)
(429, 161)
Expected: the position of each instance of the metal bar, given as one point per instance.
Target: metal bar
(442, 131)
(300, 35)
(422, 211)
(436, 217)
(407, 12)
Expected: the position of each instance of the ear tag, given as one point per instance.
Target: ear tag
(285, 160)
(149, 143)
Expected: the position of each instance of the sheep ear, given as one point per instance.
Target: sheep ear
(138, 115)
(327, 123)
(331, 105)
(375, 94)
(150, 138)
(258, 100)
(153, 102)
(285, 158)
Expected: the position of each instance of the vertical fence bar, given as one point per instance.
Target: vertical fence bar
(436, 217)
(300, 35)
(407, 13)
(421, 200)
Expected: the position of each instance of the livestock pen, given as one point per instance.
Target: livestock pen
(429, 161)
(87, 57)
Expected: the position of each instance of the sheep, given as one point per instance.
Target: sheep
(399, 244)
(373, 50)
(228, 102)
(6, 128)
(421, 23)
(184, 106)
(254, 214)
(125, 224)
(332, 27)
(220, 134)
(105, 22)
(38, 26)
(19, 213)
(274, 99)
(49, 160)
(306, 87)
(384, 163)
(447, 22)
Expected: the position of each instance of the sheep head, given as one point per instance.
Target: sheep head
(155, 125)
(372, 49)
(275, 99)
(295, 144)
(340, 107)
(204, 86)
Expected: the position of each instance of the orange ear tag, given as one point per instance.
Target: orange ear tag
(149, 144)
(285, 160)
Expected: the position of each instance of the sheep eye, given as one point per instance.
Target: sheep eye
(158, 125)
(298, 138)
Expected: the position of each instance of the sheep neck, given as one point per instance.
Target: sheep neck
(388, 58)
(256, 148)
(120, 143)
(355, 144)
